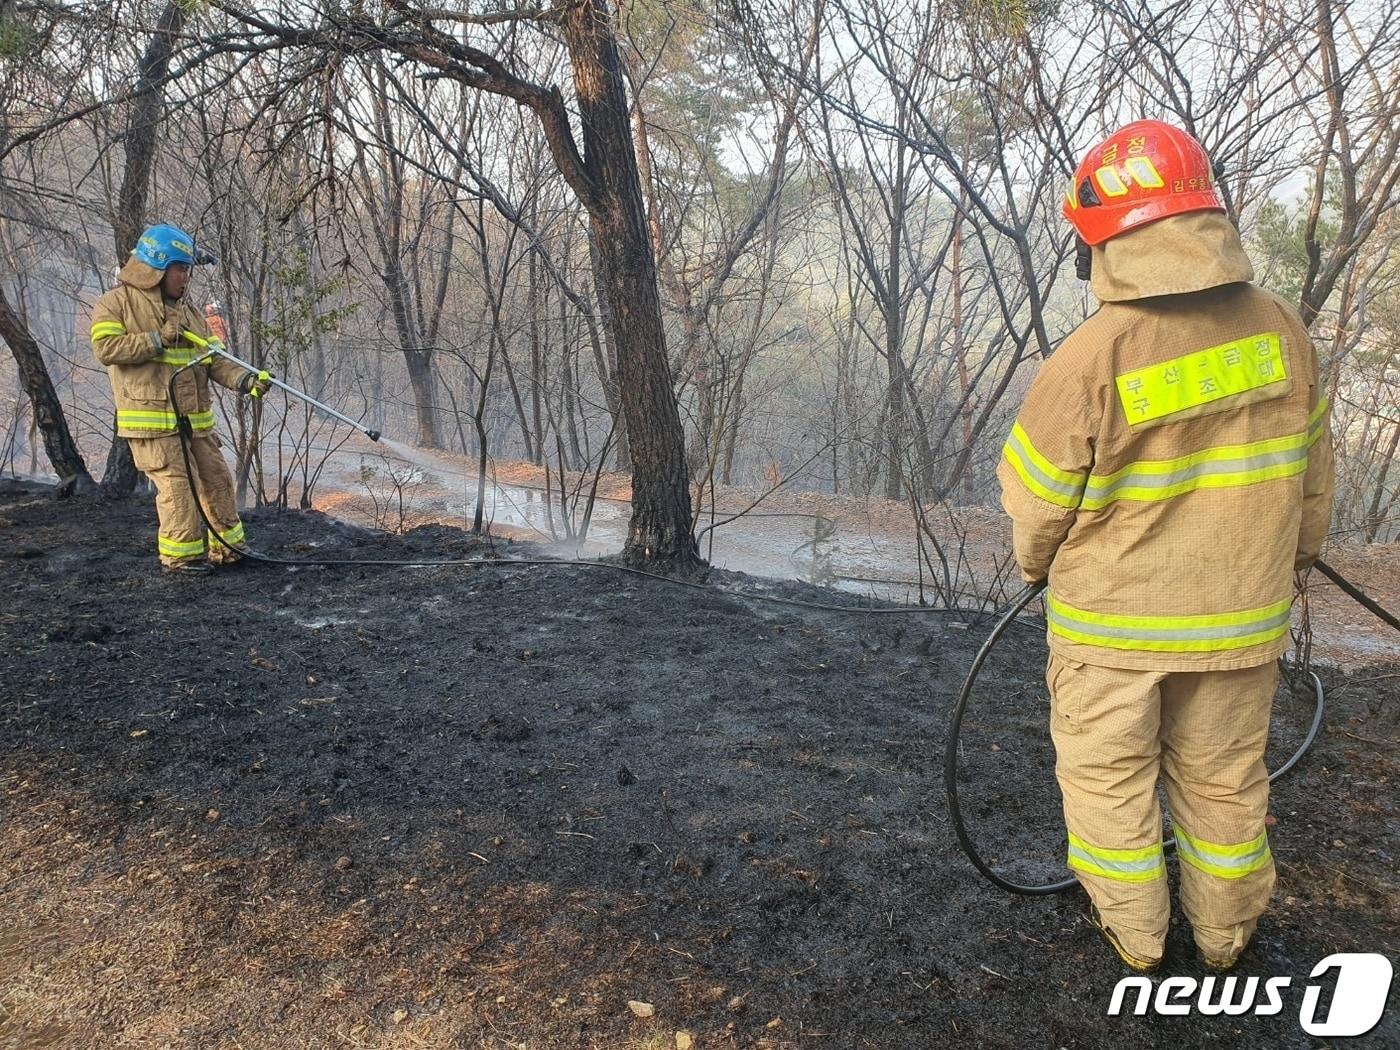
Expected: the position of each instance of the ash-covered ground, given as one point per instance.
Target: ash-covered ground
(492, 806)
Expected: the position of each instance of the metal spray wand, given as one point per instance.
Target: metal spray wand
(218, 348)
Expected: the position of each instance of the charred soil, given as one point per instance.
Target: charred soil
(492, 806)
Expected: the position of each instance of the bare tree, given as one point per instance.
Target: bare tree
(64, 456)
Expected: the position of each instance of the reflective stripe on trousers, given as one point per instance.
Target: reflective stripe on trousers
(1224, 860)
(1123, 865)
(180, 548)
(232, 536)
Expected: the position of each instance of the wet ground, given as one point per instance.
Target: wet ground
(492, 806)
(860, 545)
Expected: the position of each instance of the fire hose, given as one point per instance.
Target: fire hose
(950, 768)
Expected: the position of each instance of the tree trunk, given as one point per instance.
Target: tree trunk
(479, 422)
(660, 532)
(63, 453)
(960, 354)
(420, 377)
(516, 399)
(569, 383)
(1374, 517)
(539, 306)
(120, 475)
(388, 214)
(605, 358)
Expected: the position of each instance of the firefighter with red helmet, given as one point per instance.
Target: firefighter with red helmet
(1169, 469)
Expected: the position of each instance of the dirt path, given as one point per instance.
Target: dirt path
(489, 807)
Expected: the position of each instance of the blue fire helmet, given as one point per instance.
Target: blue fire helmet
(162, 245)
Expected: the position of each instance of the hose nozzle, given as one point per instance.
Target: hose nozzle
(373, 435)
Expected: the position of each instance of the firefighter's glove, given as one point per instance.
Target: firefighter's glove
(257, 383)
(170, 332)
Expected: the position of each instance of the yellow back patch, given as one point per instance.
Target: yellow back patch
(1201, 377)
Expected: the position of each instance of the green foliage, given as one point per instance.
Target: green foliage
(693, 85)
(297, 313)
(1009, 18)
(1278, 243)
(17, 40)
(1278, 248)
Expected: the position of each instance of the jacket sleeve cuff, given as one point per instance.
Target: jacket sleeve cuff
(154, 339)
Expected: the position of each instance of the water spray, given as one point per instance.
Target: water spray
(215, 348)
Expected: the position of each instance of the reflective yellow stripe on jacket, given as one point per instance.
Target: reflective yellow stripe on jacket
(1226, 861)
(155, 419)
(107, 329)
(1210, 633)
(1122, 865)
(179, 356)
(1316, 422)
(1224, 466)
(1061, 487)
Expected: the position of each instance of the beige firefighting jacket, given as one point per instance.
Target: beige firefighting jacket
(126, 325)
(1172, 462)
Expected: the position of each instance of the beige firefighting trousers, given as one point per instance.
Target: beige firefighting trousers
(181, 535)
(1115, 730)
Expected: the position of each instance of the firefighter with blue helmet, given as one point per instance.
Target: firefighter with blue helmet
(137, 333)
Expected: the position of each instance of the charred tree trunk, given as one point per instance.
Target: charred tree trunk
(606, 357)
(120, 475)
(63, 453)
(569, 384)
(539, 307)
(421, 378)
(660, 531)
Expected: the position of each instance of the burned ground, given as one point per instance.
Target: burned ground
(490, 806)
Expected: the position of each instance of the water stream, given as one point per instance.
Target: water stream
(453, 486)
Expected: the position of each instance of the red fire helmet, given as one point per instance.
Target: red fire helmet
(1143, 172)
